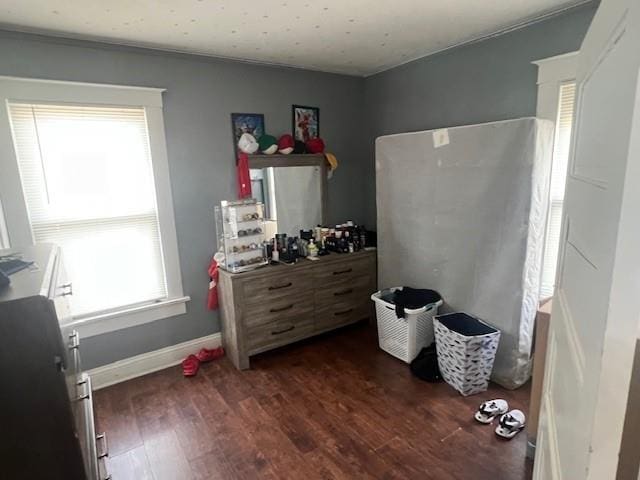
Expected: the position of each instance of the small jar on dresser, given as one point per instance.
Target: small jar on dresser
(273, 306)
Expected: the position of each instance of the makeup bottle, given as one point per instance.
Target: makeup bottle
(313, 249)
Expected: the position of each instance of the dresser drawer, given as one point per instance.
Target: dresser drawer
(281, 332)
(73, 369)
(61, 291)
(341, 313)
(343, 272)
(272, 288)
(85, 426)
(358, 289)
(286, 309)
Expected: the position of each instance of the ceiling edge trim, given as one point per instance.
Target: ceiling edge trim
(487, 36)
(72, 39)
(101, 42)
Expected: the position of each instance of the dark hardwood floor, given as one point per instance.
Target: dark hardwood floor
(334, 407)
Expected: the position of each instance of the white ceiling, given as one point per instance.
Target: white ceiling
(357, 37)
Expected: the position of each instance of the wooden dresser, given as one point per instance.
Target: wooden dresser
(46, 400)
(277, 305)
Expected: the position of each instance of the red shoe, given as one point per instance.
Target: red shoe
(190, 366)
(206, 354)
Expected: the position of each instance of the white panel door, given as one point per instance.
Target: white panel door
(597, 303)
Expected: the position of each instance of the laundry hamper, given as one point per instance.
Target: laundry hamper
(466, 350)
(404, 337)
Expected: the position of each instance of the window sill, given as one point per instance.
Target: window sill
(129, 317)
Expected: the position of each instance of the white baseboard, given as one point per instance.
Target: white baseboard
(149, 362)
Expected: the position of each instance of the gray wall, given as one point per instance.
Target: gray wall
(201, 93)
(489, 80)
(480, 82)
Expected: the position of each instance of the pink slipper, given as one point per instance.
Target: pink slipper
(207, 355)
(190, 366)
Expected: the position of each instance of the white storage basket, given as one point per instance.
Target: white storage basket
(466, 350)
(404, 337)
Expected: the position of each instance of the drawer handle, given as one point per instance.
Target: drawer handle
(282, 309)
(344, 312)
(340, 272)
(278, 287)
(344, 292)
(105, 445)
(278, 332)
(74, 344)
(68, 287)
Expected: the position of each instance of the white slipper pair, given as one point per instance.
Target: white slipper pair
(511, 422)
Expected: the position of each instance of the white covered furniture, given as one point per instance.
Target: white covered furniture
(463, 211)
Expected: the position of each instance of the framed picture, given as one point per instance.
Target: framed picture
(252, 123)
(305, 122)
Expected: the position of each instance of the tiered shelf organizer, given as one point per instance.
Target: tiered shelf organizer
(241, 234)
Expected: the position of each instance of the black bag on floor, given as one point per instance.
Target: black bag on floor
(425, 365)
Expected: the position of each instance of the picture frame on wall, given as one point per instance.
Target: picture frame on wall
(305, 122)
(252, 123)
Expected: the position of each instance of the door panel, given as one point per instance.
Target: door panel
(598, 276)
(565, 378)
(602, 99)
(582, 313)
(587, 233)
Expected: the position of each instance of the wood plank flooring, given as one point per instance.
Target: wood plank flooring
(334, 407)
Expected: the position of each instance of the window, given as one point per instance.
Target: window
(4, 236)
(561, 146)
(88, 183)
(556, 96)
(86, 169)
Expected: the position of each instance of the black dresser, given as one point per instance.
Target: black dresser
(47, 426)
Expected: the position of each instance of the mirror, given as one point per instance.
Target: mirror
(293, 197)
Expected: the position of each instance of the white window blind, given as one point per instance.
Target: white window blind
(88, 183)
(4, 236)
(564, 124)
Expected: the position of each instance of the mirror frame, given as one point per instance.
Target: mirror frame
(294, 160)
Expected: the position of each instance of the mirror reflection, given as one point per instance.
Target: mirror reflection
(292, 197)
